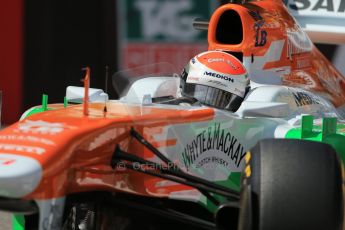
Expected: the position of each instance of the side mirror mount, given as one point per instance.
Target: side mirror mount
(200, 24)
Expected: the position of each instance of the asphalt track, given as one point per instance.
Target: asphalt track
(5, 221)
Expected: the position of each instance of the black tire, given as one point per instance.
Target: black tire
(291, 185)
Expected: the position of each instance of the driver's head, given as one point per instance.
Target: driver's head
(216, 79)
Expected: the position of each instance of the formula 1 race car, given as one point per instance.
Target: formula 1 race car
(155, 160)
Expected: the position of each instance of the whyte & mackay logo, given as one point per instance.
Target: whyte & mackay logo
(228, 149)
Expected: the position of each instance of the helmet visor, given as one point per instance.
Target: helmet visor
(212, 96)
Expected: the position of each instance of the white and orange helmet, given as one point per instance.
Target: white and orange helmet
(215, 78)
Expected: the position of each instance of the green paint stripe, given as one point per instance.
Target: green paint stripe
(233, 182)
(18, 222)
(330, 133)
(37, 110)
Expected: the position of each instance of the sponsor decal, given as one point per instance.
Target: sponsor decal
(193, 78)
(41, 127)
(302, 99)
(157, 20)
(303, 63)
(6, 161)
(220, 76)
(227, 148)
(261, 35)
(27, 138)
(301, 77)
(217, 80)
(105, 137)
(217, 83)
(248, 171)
(153, 30)
(331, 6)
(211, 60)
(22, 148)
(298, 42)
(329, 79)
(248, 157)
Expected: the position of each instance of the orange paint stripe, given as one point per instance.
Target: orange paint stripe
(164, 143)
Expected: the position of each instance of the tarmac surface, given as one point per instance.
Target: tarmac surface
(5, 221)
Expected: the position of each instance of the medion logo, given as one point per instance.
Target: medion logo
(303, 99)
(216, 75)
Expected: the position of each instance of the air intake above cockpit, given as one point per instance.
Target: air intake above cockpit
(229, 28)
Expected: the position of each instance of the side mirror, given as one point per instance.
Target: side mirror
(75, 94)
(263, 109)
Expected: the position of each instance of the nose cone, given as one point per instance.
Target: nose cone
(19, 175)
